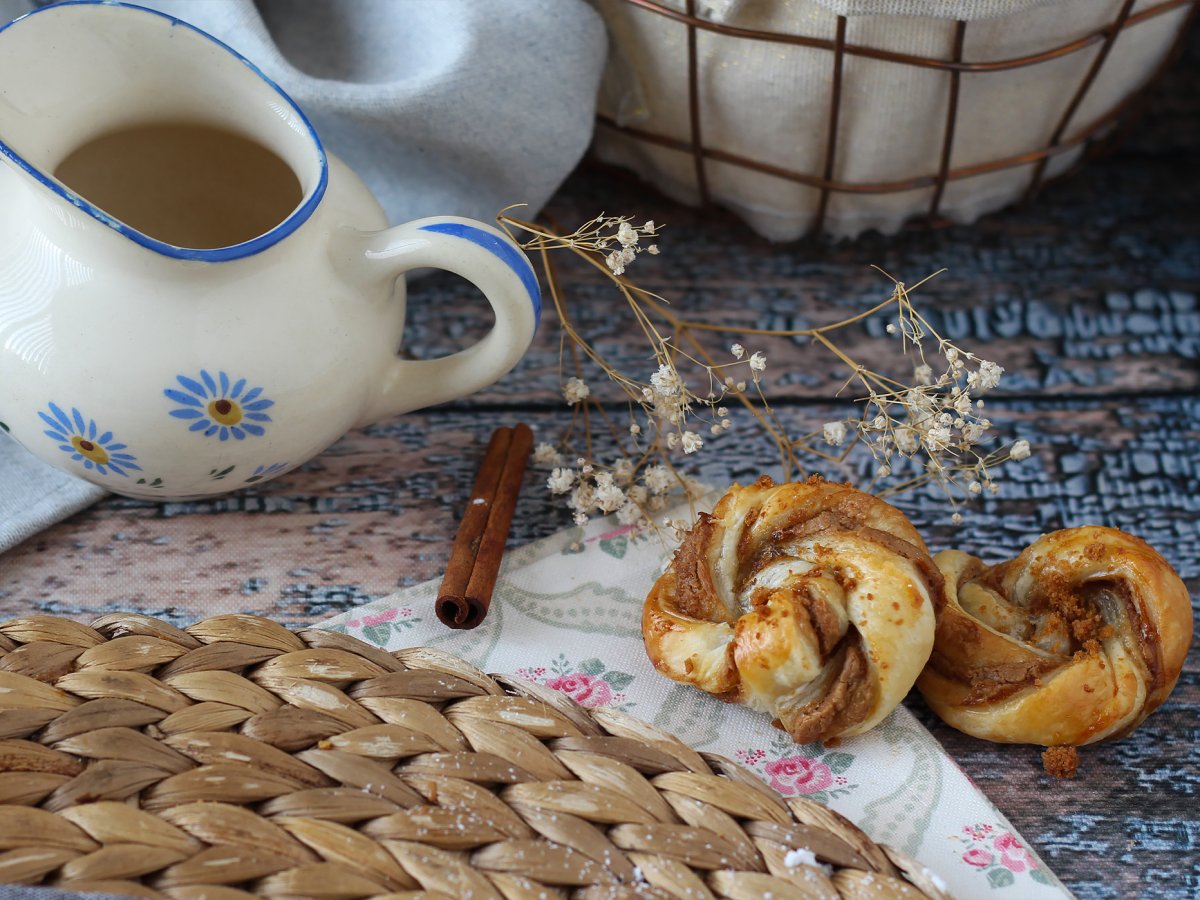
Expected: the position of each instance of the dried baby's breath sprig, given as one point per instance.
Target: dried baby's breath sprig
(932, 428)
(927, 429)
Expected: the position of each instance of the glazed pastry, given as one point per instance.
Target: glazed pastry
(812, 602)
(1076, 640)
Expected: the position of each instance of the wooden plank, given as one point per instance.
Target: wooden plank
(1069, 303)
(378, 509)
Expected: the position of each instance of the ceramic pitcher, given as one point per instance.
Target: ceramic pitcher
(194, 295)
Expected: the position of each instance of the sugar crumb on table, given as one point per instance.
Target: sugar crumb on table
(1061, 762)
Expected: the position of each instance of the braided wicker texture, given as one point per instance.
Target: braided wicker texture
(236, 758)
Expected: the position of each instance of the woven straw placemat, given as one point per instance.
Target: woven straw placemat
(236, 757)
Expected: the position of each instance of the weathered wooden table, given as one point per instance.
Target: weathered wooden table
(1089, 299)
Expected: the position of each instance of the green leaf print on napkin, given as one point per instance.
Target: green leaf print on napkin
(1000, 877)
(838, 762)
(615, 546)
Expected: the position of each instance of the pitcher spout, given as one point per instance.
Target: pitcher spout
(146, 124)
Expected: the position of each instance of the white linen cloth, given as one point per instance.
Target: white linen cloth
(770, 102)
(567, 613)
(443, 107)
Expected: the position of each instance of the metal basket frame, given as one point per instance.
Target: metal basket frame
(1060, 141)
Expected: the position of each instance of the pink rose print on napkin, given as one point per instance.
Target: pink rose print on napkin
(590, 683)
(976, 857)
(1000, 855)
(811, 769)
(377, 628)
(379, 618)
(586, 690)
(1013, 855)
(798, 775)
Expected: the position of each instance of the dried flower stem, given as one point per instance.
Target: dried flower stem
(933, 422)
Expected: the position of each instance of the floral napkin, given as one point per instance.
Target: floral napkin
(567, 613)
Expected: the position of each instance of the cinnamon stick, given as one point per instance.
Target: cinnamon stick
(466, 590)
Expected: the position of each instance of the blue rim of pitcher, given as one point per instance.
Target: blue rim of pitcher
(267, 239)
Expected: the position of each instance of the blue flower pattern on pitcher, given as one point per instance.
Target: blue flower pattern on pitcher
(219, 406)
(79, 437)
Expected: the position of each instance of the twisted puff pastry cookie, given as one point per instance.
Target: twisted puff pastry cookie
(1076, 640)
(813, 602)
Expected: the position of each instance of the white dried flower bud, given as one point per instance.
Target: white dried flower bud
(906, 440)
(692, 442)
(988, 376)
(581, 518)
(974, 487)
(722, 412)
(740, 386)
(627, 235)
(678, 526)
(623, 471)
(972, 432)
(575, 391)
(649, 227)
(758, 362)
(635, 428)
(546, 455)
(561, 481)
(883, 471)
(834, 433)
(629, 514)
(673, 440)
(666, 381)
(937, 438)
(609, 497)
(738, 351)
(957, 518)
(637, 494)
(879, 421)
(726, 424)
(582, 498)
(652, 249)
(923, 374)
(616, 262)
(891, 328)
(1020, 450)
(714, 429)
(657, 479)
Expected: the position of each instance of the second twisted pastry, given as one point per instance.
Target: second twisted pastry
(1075, 641)
(813, 602)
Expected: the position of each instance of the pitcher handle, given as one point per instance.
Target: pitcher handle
(491, 261)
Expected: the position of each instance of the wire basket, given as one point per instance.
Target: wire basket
(803, 120)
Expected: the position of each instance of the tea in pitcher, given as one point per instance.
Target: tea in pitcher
(186, 184)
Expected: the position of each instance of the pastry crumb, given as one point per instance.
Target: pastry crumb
(1061, 762)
